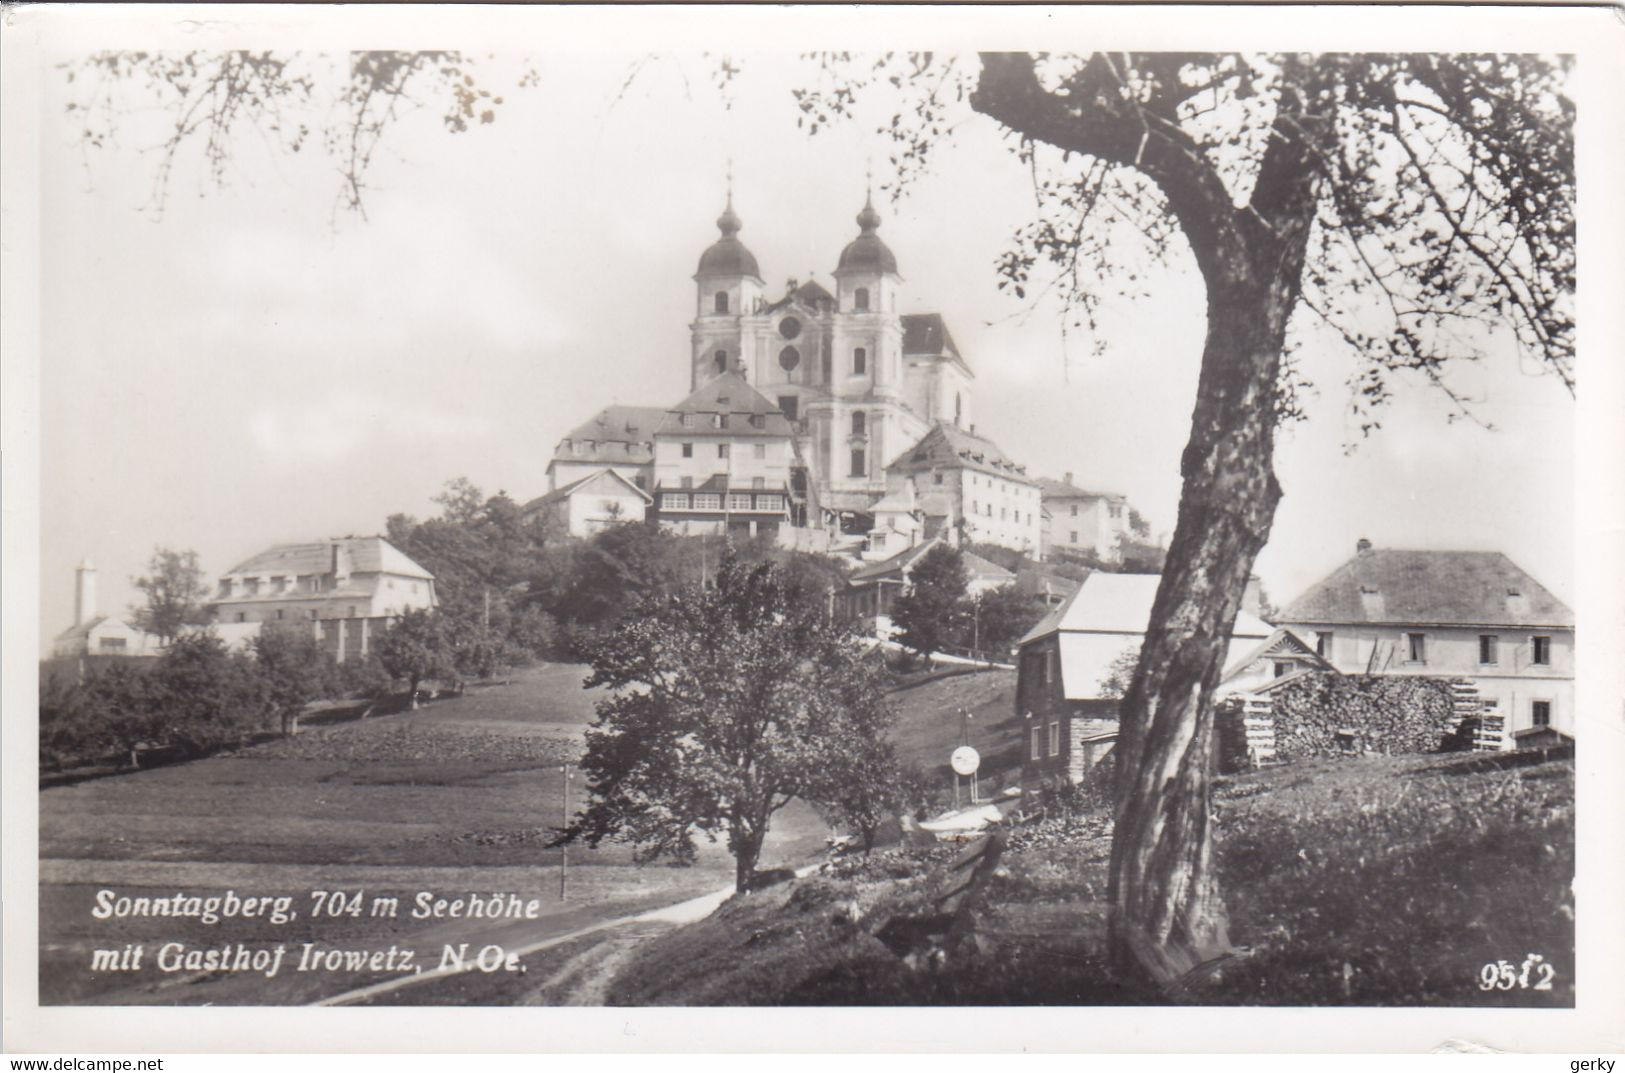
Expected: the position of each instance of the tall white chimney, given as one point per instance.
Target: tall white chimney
(84, 593)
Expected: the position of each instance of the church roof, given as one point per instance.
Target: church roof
(951, 446)
(621, 434)
(867, 253)
(927, 333)
(1407, 587)
(727, 256)
(727, 393)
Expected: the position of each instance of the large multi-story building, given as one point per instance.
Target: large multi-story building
(1455, 614)
(1078, 520)
(983, 495)
(723, 462)
(859, 382)
(346, 589)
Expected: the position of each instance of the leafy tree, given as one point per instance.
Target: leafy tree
(416, 647)
(297, 670)
(994, 620)
(201, 697)
(926, 614)
(873, 790)
(727, 701)
(174, 588)
(1120, 673)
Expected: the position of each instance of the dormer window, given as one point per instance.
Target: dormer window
(722, 302)
(860, 300)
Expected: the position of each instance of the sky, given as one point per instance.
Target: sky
(253, 365)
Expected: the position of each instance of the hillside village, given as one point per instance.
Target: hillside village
(832, 425)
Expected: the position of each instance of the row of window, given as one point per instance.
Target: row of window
(1005, 514)
(714, 500)
(274, 586)
(693, 420)
(1489, 648)
(281, 613)
(757, 450)
(790, 360)
(860, 301)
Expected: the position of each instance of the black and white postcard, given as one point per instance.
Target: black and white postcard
(1063, 528)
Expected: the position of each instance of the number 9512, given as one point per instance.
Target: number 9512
(1535, 974)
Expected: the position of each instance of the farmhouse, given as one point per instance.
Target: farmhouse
(1475, 615)
(1065, 662)
(346, 589)
(873, 589)
(587, 504)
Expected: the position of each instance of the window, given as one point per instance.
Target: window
(722, 450)
(1417, 647)
(722, 302)
(251, 586)
(719, 420)
(758, 482)
(773, 503)
(860, 301)
(1074, 510)
(758, 420)
(1487, 643)
(313, 615)
(959, 408)
(787, 403)
(1543, 651)
(673, 501)
(707, 501)
(789, 358)
(1116, 510)
(685, 482)
(936, 478)
(860, 463)
(1055, 739)
(722, 361)
(758, 451)
(244, 618)
(738, 501)
(1282, 668)
(1323, 643)
(1540, 713)
(859, 423)
(1074, 536)
(352, 612)
(688, 450)
(106, 643)
(1037, 753)
(686, 420)
(279, 612)
(860, 361)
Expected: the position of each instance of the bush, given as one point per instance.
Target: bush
(1384, 714)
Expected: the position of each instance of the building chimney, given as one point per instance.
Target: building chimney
(1361, 546)
(84, 593)
(1068, 477)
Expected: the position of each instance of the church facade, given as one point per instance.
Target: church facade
(858, 382)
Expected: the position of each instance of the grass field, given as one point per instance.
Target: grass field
(456, 798)
(929, 726)
(1379, 881)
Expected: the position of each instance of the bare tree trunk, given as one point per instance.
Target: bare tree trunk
(746, 843)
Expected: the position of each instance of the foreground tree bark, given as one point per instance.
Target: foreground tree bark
(1167, 917)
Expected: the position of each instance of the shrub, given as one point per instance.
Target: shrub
(1384, 714)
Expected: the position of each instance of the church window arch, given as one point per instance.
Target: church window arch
(860, 423)
(860, 361)
(860, 300)
(722, 301)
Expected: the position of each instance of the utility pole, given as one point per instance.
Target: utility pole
(564, 847)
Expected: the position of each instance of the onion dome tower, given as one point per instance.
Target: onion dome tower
(867, 271)
(728, 285)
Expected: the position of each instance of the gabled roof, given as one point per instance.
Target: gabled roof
(1441, 588)
(976, 567)
(81, 629)
(368, 555)
(1049, 488)
(810, 295)
(619, 433)
(1121, 603)
(726, 393)
(948, 445)
(927, 335)
(1284, 644)
(581, 483)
